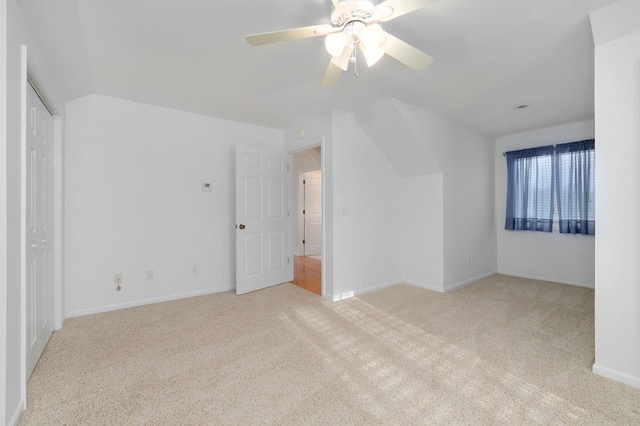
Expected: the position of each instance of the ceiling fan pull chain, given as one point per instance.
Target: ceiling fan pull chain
(355, 62)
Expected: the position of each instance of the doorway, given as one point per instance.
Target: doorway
(308, 220)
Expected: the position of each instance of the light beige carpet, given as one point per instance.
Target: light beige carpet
(499, 351)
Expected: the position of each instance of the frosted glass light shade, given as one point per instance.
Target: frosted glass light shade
(371, 54)
(371, 37)
(336, 42)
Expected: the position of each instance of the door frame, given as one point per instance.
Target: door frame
(30, 74)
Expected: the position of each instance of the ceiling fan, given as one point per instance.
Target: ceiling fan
(355, 23)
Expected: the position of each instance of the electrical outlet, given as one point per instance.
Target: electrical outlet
(150, 274)
(118, 280)
(468, 261)
(194, 270)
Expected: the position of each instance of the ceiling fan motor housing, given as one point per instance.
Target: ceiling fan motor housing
(350, 10)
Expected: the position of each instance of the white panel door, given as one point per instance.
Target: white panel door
(312, 213)
(263, 250)
(39, 232)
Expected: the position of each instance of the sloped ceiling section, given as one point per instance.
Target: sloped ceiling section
(387, 128)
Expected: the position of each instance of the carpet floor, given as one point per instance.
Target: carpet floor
(502, 350)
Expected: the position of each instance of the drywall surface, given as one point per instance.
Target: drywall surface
(366, 196)
(421, 231)
(617, 245)
(563, 258)
(134, 202)
(466, 161)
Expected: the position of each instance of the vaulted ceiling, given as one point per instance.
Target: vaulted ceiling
(490, 56)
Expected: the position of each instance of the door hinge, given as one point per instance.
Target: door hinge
(287, 167)
(304, 182)
(303, 242)
(304, 211)
(288, 260)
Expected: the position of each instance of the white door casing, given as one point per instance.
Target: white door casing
(312, 213)
(39, 229)
(263, 248)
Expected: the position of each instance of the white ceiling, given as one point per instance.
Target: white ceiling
(490, 55)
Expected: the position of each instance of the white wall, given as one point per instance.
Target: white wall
(366, 198)
(421, 231)
(563, 258)
(14, 33)
(466, 161)
(616, 32)
(134, 202)
(6, 334)
(393, 229)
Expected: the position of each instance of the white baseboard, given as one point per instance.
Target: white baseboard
(553, 280)
(108, 308)
(17, 414)
(469, 281)
(355, 293)
(424, 285)
(616, 375)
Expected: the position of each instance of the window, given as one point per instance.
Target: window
(530, 189)
(575, 187)
(541, 181)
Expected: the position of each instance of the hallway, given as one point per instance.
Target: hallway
(307, 273)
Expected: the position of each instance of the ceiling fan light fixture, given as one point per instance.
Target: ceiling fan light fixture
(371, 36)
(336, 42)
(342, 61)
(371, 54)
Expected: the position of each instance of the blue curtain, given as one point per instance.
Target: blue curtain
(575, 187)
(530, 177)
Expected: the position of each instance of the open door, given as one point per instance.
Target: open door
(263, 251)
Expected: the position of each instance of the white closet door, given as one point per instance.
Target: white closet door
(39, 235)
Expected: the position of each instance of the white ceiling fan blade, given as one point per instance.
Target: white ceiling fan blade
(327, 29)
(292, 34)
(331, 75)
(405, 53)
(391, 9)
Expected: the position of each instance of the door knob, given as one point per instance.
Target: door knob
(34, 245)
(241, 226)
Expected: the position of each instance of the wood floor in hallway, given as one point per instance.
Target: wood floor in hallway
(307, 273)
